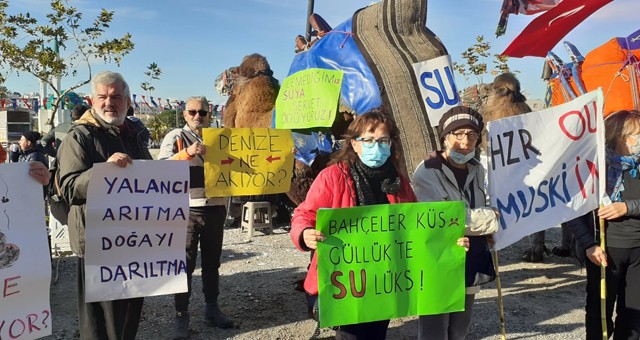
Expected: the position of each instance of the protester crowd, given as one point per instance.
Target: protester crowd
(366, 171)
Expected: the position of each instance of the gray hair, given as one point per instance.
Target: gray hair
(201, 99)
(109, 78)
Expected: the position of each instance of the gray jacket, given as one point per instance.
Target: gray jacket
(172, 147)
(433, 181)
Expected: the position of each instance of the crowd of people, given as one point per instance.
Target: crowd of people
(366, 171)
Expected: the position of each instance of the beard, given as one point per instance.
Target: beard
(115, 121)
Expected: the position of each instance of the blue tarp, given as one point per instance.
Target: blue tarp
(337, 50)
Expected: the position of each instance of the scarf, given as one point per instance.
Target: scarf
(616, 166)
(373, 184)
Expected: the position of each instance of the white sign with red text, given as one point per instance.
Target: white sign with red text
(546, 167)
(25, 265)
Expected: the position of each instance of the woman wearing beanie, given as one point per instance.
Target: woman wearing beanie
(31, 149)
(453, 174)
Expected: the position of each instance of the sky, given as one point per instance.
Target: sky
(193, 41)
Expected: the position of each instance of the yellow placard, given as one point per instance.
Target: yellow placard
(308, 98)
(242, 161)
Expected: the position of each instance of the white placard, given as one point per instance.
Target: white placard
(25, 266)
(437, 86)
(544, 167)
(136, 230)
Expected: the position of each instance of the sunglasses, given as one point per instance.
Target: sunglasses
(202, 113)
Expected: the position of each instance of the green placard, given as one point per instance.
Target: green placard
(308, 98)
(388, 261)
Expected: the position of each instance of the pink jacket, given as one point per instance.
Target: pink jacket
(333, 188)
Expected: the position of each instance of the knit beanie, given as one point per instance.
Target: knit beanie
(457, 117)
(31, 136)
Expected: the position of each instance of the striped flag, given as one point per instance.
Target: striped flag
(526, 7)
(544, 32)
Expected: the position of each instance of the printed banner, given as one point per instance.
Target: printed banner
(244, 161)
(545, 166)
(388, 261)
(308, 99)
(437, 86)
(25, 267)
(136, 230)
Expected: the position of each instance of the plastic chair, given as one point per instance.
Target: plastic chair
(256, 215)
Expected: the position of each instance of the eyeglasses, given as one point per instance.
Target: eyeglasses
(370, 142)
(459, 135)
(202, 113)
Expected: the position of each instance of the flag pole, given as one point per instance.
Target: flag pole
(603, 284)
(310, 5)
(503, 331)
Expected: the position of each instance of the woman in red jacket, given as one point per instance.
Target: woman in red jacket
(366, 171)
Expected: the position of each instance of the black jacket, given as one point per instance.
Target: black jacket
(36, 153)
(91, 141)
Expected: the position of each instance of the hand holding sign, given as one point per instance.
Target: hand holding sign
(311, 238)
(120, 159)
(196, 148)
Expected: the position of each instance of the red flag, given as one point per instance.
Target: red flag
(544, 32)
(26, 103)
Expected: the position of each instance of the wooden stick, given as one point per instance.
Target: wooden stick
(503, 330)
(603, 285)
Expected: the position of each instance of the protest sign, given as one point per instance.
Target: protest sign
(437, 87)
(136, 230)
(25, 268)
(381, 262)
(546, 167)
(243, 161)
(308, 98)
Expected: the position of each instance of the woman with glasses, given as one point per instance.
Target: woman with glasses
(364, 172)
(453, 174)
(621, 257)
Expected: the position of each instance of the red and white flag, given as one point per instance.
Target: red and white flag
(545, 31)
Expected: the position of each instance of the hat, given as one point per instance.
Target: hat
(457, 117)
(78, 111)
(31, 136)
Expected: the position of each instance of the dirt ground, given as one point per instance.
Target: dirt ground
(541, 301)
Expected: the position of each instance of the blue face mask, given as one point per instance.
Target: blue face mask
(375, 156)
(460, 158)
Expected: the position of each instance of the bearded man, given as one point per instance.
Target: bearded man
(101, 135)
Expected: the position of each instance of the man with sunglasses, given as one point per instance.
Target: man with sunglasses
(206, 217)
